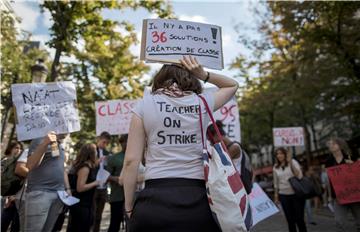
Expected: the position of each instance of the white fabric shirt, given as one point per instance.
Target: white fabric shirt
(281, 178)
(172, 128)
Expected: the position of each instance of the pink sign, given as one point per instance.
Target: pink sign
(113, 116)
(288, 136)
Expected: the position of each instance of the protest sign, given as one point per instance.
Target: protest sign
(113, 116)
(44, 107)
(229, 116)
(167, 40)
(288, 136)
(261, 205)
(345, 179)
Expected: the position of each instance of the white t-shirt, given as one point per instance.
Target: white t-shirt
(172, 129)
(281, 178)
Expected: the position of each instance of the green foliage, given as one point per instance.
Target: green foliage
(308, 64)
(104, 68)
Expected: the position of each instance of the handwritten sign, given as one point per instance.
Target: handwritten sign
(345, 179)
(167, 40)
(114, 116)
(261, 205)
(44, 107)
(288, 136)
(229, 115)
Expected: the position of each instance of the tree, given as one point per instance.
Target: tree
(309, 53)
(104, 68)
(15, 68)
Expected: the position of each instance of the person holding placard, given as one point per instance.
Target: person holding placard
(101, 196)
(285, 167)
(167, 121)
(82, 176)
(115, 164)
(46, 176)
(341, 154)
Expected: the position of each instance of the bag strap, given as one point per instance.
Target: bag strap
(213, 122)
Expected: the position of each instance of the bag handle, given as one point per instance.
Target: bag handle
(213, 122)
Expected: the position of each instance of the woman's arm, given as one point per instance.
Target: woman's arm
(36, 157)
(82, 176)
(227, 86)
(276, 187)
(21, 169)
(133, 156)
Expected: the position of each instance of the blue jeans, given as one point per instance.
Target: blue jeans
(41, 211)
(341, 216)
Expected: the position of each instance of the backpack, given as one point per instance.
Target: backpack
(10, 182)
(246, 172)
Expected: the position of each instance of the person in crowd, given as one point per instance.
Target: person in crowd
(167, 120)
(308, 207)
(285, 167)
(237, 154)
(326, 186)
(82, 177)
(341, 154)
(114, 166)
(46, 176)
(22, 171)
(100, 196)
(9, 214)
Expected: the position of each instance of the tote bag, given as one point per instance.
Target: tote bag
(227, 196)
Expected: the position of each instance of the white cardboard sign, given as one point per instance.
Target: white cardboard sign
(261, 205)
(44, 107)
(229, 115)
(167, 40)
(113, 116)
(288, 136)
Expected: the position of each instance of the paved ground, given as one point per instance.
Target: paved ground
(276, 223)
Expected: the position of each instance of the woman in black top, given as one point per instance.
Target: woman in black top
(82, 178)
(341, 155)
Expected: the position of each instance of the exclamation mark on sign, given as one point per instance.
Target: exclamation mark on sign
(214, 32)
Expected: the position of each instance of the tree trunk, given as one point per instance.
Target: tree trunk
(11, 136)
(55, 65)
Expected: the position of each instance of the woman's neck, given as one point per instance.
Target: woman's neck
(338, 155)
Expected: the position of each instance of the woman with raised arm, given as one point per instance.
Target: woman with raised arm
(174, 198)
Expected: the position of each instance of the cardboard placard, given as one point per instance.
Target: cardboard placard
(261, 205)
(228, 114)
(288, 136)
(345, 179)
(113, 116)
(167, 40)
(44, 107)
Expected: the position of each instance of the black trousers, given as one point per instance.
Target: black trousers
(117, 215)
(171, 205)
(81, 218)
(294, 211)
(10, 216)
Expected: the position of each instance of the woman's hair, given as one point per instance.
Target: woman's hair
(87, 153)
(277, 162)
(11, 146)
(211, 129)
(345, 150)
(170, 74)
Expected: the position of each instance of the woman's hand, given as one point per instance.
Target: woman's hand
(191, 64)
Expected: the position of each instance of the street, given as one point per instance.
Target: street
(276, 223)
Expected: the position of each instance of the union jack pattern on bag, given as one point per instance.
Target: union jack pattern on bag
(227, 196)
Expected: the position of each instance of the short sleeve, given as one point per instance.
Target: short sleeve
(23, 156)
(209, 97)
(139, 108)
